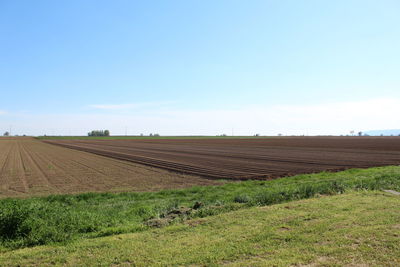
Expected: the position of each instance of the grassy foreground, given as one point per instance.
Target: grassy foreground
(64, 218)
(355, 229)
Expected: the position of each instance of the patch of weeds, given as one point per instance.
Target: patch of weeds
(241, 199)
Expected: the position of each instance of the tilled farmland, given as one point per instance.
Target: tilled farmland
(31, 167)
(253, 158)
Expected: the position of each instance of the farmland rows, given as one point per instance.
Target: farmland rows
(31, 167)
(248, 158)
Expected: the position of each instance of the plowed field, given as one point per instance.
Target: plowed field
(249, 158)
(31, 167)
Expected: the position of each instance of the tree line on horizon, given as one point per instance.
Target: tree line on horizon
(99, 133)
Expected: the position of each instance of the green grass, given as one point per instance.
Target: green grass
(116, 137)
(352, 229)
(64, 218)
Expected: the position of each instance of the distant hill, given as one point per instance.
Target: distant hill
(383, 132)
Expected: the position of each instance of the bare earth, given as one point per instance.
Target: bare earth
(31, 167)
(253, 158)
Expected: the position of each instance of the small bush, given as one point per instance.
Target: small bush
(12, 218)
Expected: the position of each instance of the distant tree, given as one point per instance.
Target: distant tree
(99, 133)
(279, 134)
(6, 134)
(360, 133)
(352, 132)
(156, 134)
(150, 134)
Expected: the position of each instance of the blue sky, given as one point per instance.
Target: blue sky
(199, 67)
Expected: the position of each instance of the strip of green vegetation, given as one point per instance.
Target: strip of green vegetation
(142, 137)
(61, 218)
(352, 229)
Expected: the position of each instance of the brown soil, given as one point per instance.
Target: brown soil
(30, 167)
(249, 158)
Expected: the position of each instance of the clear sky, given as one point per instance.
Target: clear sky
(199, 67)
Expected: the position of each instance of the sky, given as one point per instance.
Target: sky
(199, 67)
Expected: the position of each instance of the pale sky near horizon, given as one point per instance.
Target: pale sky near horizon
(199, 67)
